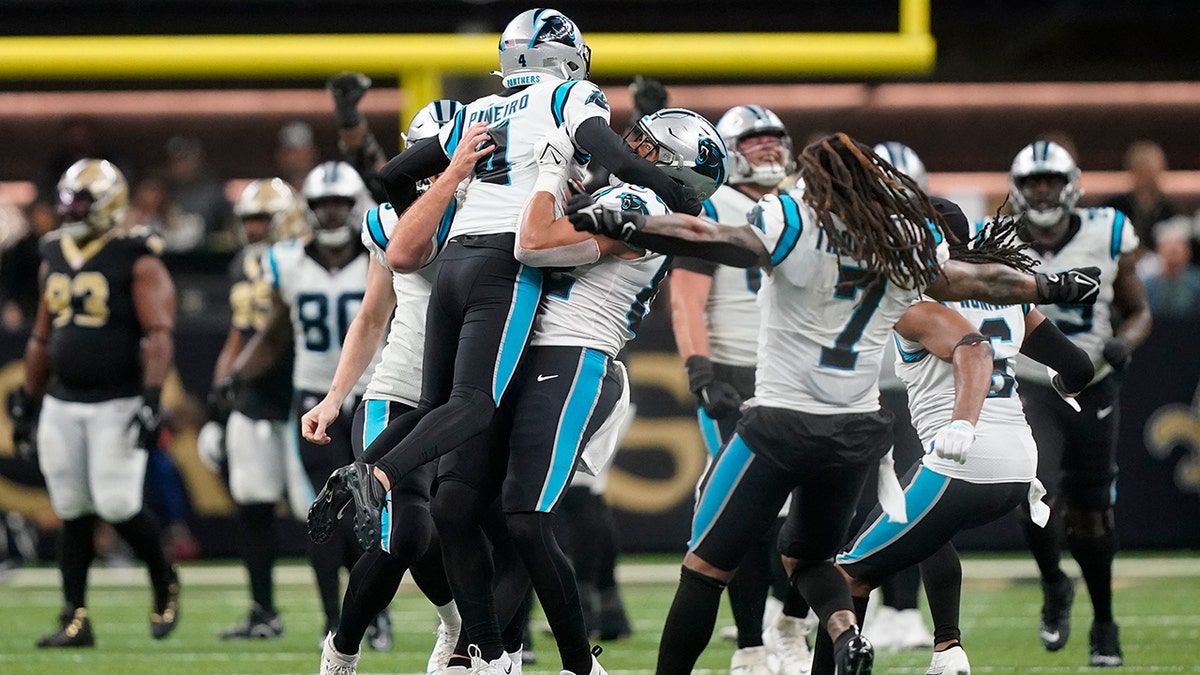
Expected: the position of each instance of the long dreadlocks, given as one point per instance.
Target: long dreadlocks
(871, 212)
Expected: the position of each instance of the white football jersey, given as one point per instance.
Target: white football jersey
(824, 318)
(601, 304)
(1103, 235)
(322, 303)
(516, 122)
(397, 376)
(731, 314)
(1003, 450)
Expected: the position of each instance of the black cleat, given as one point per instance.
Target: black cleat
(166, 615)
(258, 625)
(75, 630)
(613, 622)
(351, 484)
(1056, 613)
(1105, 642)
(856, 657)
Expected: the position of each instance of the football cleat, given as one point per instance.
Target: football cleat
(501, 665)
(787, 640)
(613, 621)
(334, 662)
(379, 632)
(952, 661)
(1056, 613)
(75, 630)
(750, 661)
(856, 657)
(258, 625)
(165, 616)
(354, 485)
(596, 669)
(911, 633)
(443, 648)
(1105, 646)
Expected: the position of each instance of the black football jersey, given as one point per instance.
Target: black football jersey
(269, 396)
(95, 335)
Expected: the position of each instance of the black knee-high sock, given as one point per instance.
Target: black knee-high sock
(1095, 558)
(823, 586)
(373, 584)
(748, 594)
(779, 576)
(942, 574)
(457, 511)
(900, 589)
(554, 582)
(1045, 543)
(145, 538)
(326, 561)
(794, 604)
(76, 550)
(608, 544)
(258, 551)
(822, 663)
(513, 593)
(690, 622)
(513, 634)
(429, 573)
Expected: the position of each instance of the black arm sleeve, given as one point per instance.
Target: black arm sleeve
(400, 175)
(697, 265)
(721, 252)
(608, 150)
(1048, 346)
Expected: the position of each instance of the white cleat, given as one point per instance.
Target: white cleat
(882, 629)
(597, 669)
(334, 662)
(953, 661)
(518, 664)
(501, 665)
(443, 649)
(751, 661)
(910, 631)
(787, 641)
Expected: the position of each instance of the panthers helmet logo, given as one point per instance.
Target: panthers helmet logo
(598, 98)
(710, 160)
(757, 219)
(632, 202)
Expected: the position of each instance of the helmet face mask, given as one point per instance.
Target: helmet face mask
(93, 198)
(1044, 183)
(739, 128)
(426, 124)
(337, 200)
(269, 210)
(906, 161)
(541, 43)
(685, 146)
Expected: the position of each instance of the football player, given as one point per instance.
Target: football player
(247, 422)
(104, 292)
(1077, 452)
(715, 317)
(836, 282)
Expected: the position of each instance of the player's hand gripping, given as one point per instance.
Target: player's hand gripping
(1077, 286)
(588, 216)
(147, 420)
(348, 88)
(476, 144)
(718, 398)
(314, 422)
(953, 440)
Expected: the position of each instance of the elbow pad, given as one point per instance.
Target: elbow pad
(571, 255)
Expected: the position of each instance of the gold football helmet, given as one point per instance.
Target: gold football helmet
(274, 200)
(93, 198)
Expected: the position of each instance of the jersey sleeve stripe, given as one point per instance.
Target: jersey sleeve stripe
(375, 229)
(558, 102)
(907, 356)
(709, 210)
(460, 119)
(274, 267)
(791, 230)
(1118, 229)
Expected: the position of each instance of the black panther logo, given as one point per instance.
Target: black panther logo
(598, 98)
(710, 160)
(632, 202)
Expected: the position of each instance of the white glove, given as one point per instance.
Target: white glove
(210, 445)
(953, 440)
(1056, 383)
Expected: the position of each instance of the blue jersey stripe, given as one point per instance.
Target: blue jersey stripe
(710, 432)
(907, 356)
(577, 412)
(792, 227)
(375, 229)
(732, 463)
(919, 497)
(526, 294)
(375, 420)
(460, 119)
(709, 209)
(1117, 231)
(558, 102)
(274, 267)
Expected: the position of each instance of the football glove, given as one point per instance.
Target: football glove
(718, 398)
(24, 413)
(649, 96)
(147, 420)
(588, 216)
(1057, 384)
(221, 398)
(210, 445)
(1078, 286)
(1118, 352)
(347, 88)
(953, 440)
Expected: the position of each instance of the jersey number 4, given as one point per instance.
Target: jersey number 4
(313, 310)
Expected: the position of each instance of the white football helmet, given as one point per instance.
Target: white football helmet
(93, 198)
(335, 183)
(275, 200)
(539, 43)
(745, 121)
(1042, 158)
(685, 146)
(428, 120)
(906, 162)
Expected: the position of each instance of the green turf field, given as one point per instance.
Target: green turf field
(1157, 605)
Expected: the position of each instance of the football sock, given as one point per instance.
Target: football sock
(258, 551)
(900, 589)
(794, 604)
(690, 622)
(942, 574)
(1095, 558)
(823, 586)
(513, 635)
(1044, 544)
(457, 511)
(429, 573)
(554, 582)
(748, 594)
(76, 550)
(512, 591)
(373, 583)
(144, 537)
(326, 561)
(822, 652)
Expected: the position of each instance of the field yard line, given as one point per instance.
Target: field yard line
(627, 573)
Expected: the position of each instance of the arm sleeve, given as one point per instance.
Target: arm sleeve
(696, 265)
(607, 149)
(1047, 345)
(400, 175)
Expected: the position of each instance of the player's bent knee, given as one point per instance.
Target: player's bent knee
(118, 509)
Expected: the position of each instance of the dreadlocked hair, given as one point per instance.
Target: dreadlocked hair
(871, 212)
(1000, 241)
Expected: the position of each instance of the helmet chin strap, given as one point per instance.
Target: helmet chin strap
(1045, 218)
(333, 238)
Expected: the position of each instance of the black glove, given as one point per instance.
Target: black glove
(716, 397)
(347, 88)
(147, 421)
(24, 413)
(588, 216)
(221, 398)
(1118, 352)
(1077, 286)
(649, 96)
